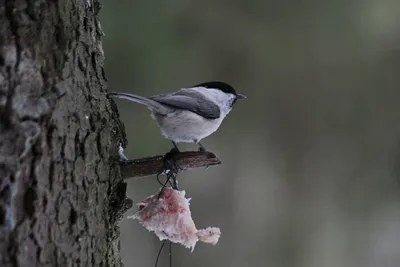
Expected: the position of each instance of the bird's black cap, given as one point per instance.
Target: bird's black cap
(224, 87)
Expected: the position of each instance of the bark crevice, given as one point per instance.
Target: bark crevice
(61, 191)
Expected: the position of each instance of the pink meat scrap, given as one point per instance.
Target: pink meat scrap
(169, 217)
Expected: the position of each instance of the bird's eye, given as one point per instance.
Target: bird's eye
(233, 101)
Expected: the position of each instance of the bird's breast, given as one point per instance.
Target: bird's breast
(186, 126)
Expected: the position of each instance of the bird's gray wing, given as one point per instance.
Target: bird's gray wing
(191, 101)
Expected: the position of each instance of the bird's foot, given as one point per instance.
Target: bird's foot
(175, 149)
(201, 148)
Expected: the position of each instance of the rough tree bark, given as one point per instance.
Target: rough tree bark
(61, 191)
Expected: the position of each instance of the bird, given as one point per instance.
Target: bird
(189, 114)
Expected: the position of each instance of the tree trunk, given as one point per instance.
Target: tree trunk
(61, 192)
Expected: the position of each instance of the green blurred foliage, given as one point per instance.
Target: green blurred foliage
(310, 173)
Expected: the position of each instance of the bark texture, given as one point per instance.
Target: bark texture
(61, 193)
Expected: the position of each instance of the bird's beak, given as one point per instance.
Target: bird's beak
(240, 96)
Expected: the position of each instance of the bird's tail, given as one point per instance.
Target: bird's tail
(151, 104)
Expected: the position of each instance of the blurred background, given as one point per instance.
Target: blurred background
(311, 160)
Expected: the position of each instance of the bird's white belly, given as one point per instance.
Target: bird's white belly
(186, 126)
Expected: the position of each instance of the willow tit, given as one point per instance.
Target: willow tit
(190, 114)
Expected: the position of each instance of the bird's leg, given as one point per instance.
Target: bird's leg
(201, 147)
(175, 149)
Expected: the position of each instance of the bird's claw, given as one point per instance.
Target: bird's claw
(174, 150)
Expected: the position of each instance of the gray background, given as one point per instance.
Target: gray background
(311, 160)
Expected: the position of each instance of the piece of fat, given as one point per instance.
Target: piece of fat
(168, 215)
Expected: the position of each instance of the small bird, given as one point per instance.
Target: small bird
(190, 114)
